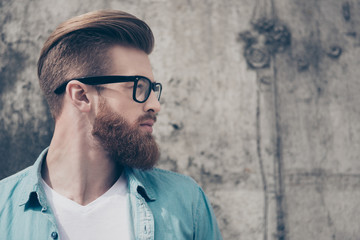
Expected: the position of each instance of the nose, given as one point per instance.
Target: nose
(152, 103)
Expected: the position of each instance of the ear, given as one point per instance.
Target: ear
(78, 94)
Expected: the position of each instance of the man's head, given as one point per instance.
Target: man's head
(79, 47)
(95, 49)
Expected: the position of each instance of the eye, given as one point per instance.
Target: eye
(141, 85)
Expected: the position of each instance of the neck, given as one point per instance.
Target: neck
(76, 166)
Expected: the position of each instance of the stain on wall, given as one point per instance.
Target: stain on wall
(25, 123)
(311, 44)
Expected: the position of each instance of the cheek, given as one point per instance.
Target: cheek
(126, 107)
(129, 112)
(130, 117)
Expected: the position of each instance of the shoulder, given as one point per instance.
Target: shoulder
(164, 182)
(161, 174)
(14, 179)
(25, 180)
(13, 185)
(168, 178)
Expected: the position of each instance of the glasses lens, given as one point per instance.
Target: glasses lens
(157, 90)
(142, 89)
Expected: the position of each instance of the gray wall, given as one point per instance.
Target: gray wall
(260, 105)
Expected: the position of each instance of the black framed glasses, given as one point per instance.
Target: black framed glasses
(141, 90)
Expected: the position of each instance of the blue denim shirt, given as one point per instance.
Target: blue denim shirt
(164, 205)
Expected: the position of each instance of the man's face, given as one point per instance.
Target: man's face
(129, 62)
(123, 126)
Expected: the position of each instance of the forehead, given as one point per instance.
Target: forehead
(129, 61)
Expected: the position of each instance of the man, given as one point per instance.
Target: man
(96, 179)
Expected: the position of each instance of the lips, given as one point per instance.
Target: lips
(147, 125)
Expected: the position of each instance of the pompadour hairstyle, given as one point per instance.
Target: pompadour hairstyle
(79, 47)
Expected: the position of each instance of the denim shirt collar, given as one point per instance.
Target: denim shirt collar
(33, 183)
(136, 183)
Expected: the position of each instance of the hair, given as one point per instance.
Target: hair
(79, 47)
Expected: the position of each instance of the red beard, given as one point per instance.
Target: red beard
(126, 145)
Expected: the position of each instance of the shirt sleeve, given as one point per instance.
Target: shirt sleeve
(206, 227)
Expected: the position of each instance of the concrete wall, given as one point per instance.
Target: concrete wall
(260, 105)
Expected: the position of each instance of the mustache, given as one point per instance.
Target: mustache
(147, 116)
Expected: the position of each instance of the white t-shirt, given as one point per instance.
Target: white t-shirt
(107, 217)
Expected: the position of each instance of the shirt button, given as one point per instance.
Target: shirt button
(54, 235)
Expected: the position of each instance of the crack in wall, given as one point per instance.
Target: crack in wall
(261, 163)
(278, 163)
(267, 38)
